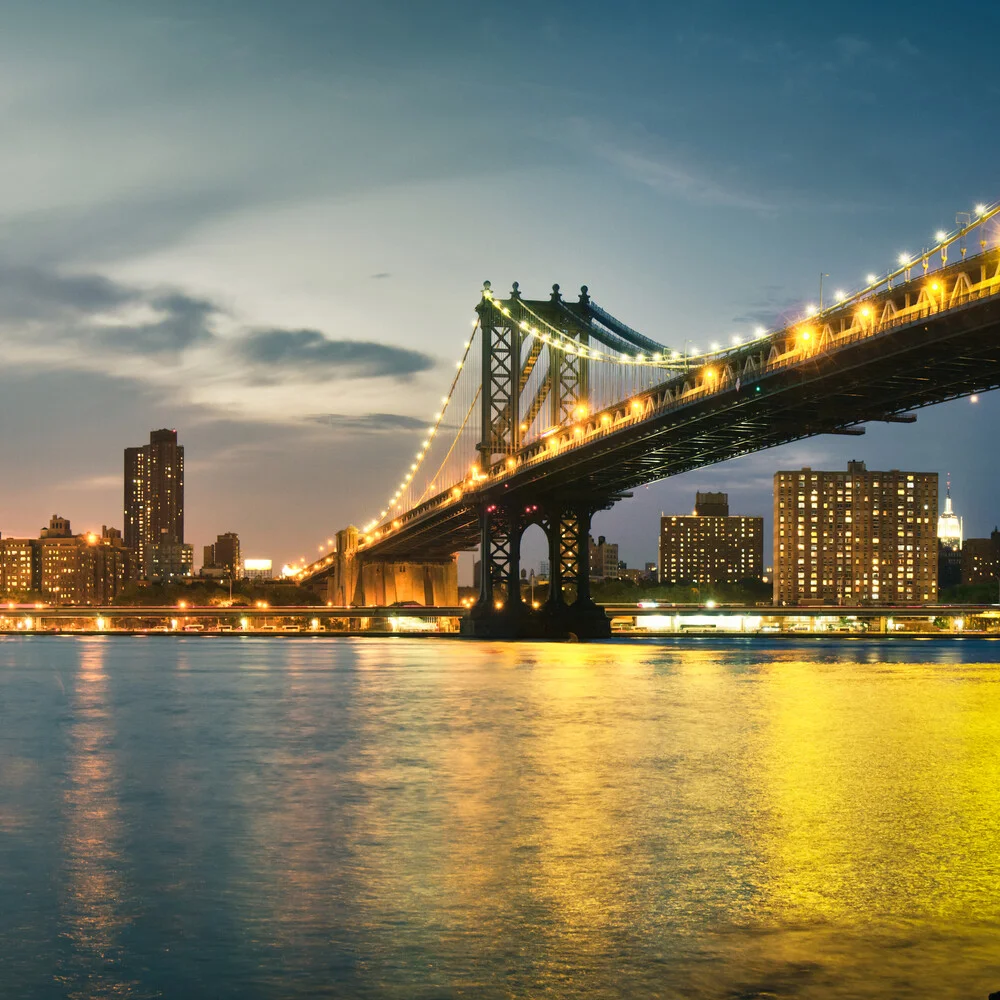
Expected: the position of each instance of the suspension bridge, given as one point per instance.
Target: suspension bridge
(558, 409)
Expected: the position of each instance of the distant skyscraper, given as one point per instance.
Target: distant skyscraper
(154, 506)
(949, 530)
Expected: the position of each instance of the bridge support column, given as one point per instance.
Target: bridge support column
(583, 618)
(500, 613)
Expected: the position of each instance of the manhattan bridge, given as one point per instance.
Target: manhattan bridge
(558, 409)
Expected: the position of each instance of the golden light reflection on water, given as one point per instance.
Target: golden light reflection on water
(419, 819)
(92, 914)
(878, 787)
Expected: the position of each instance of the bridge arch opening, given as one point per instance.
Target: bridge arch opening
(535, 569)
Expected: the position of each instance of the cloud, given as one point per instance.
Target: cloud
(185, 322)
(109, 481)
(373, 422)
(308, 354)
(37, 293)
(381, 275)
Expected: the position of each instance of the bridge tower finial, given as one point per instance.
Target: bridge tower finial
(584, 295)
(486, 288)
(556, 297)
(515, 291)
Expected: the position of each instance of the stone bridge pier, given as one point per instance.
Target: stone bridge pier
(359, 581)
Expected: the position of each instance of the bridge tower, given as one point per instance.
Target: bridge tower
(500, 611)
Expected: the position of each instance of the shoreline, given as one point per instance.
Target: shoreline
(685, 637)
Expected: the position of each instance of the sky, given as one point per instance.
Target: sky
(266, 224)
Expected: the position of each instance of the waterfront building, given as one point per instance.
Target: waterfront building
(949, 534)
(257, 569)
(710, 545)
(86, 569)
(154, 507)
(603, 559)
(224, 554)
(855, 537)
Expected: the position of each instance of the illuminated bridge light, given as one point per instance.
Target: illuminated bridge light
(904, 259)
(980, 209)
(840, 295)
(871, 279)
(940, 236)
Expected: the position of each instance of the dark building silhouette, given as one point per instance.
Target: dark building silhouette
(981, 559)
(711, 504)
(224, 554)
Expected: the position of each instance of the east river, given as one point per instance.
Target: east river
(262, 817)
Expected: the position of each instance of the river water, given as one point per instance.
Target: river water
(253, 818)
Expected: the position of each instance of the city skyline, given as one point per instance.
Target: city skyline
(257, 288)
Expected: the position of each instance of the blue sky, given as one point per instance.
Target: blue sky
(260, 223)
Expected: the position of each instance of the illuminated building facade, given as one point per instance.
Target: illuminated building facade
(949, 534)
(711, 545)
(18, 567)
(855, 537)
(64, 568)
(154, 507)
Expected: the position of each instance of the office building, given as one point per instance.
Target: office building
(603, 559)
(154, 507)
(855, 537)
(710, 545)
